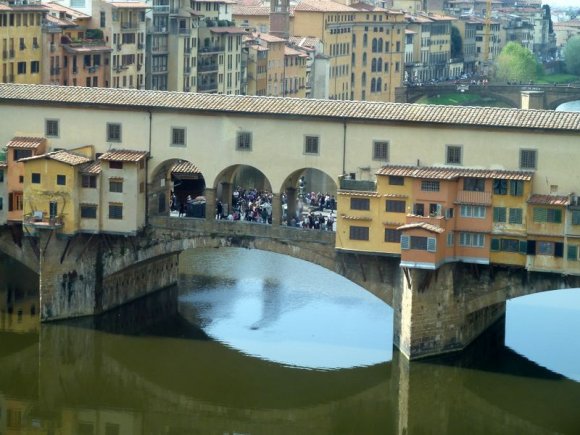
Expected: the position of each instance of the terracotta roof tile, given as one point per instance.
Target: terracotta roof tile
(93, 168)
(251, 10)
(130, 5)
(279, 106)
(185, 168)
(549, 200)
(62, 156)
(25, 142)
(423, 225)
(452, 173)
(359, 193)
(124, 155)
(322, 6)
(356, 218)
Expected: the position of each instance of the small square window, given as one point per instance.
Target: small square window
(453, 155)
(35, 178)
(113, 164)
(244, 141)
(392, 235)
(116, 186)
(528, 159)
(115, 211)
(381, 150)
(61, 180)
(178, 136)
(113, 132)
(358, 233)
(430, 186)
(396, 180)
(89, 181)
(51, 128)
(311, 145)
(88, 211)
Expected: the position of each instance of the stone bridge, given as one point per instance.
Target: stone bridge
(435, 311)
(550, 96)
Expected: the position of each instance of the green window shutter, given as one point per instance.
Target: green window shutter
(523, 247)
(431, 244)
(558, 216)
(495, 244)
(572, 252)
(405, 242)
(499, 214)
(540, 214)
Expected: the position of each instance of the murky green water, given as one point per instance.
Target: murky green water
(256, 343)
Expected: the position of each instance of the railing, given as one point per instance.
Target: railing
(207, 68)
(158, 49)
(207, 87)
(129, 25)
(159, 68)
(43, 222)
(161, 9)
(210, 49)
(159, 29)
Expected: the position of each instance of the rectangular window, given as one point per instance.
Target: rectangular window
(392, 235)
(499, 214)
(51, 128)
(510, 245)
(21, 154)
(359, 233)
(395, 206)
(178, 136)
(516, 216)
(500, 187)
(113, 132)
(115, 211)
(244, 141)
(395, 180)
(474, 240)
(572, 253)
(528, 159)
(381, 150)
(549, 215)
(114, 164)
(35, 178)
(311, 145)
(89, 181)
(453, 155)
(516, 187)
(430, 186)
(472, 211)
(575, 216)
(474, 184)
(1, 176)
(419, 243)
(359, 204)
(88, 211)
(1, 203)
(61, 180)
(116, 186)
(545, 248)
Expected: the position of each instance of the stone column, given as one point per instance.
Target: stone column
(276, 209)
(210, 203)
(431, 316)
(226, 197)
(291, 202)
(533, 100)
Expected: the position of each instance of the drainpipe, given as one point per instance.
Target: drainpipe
(344, 147)
(147, 169)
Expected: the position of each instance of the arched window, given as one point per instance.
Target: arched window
(379, 64)
(364, 59)
(380, 45)
(374, 45)
(373, 84)
(379, 84)
(374, 65)
(365, 40)
(352, 60)
(363, 79)
(354, 40)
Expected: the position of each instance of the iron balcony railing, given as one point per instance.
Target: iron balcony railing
(207, 87)
(212, 67)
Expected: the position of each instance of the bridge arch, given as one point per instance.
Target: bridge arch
(172, 183)
(553, 105)
(504, 94)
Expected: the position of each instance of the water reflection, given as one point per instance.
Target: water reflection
(150, 369)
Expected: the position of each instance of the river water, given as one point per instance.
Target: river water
(257, 343)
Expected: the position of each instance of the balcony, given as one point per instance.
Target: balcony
(37, 221)
(159, 49)
(161, 9)
(211, 67)
(129, 26)
(159, 29)
(159, 69)
(183, 32)
(474, 198)
(207, 87)
(212, 49)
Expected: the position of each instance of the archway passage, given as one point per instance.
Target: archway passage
(176, 184)
(243, 193)
(308, 198)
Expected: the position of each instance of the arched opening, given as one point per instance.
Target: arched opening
(243, 193)
(177, 188)
(308, 200)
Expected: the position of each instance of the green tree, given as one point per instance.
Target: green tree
(572, 55)
(456, 43)
(516, 63)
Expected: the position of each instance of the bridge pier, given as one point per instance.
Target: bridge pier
(276, 209)
(290, 203)
(432, 315)
(210, 202)
(226, 196)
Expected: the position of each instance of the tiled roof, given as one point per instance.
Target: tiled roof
(549, 200)
(130, 5)
(251, 10)
(86, 48)
(452, 173)
(25, 142)
(61, 156)
(366, 194)
(228, 30)
(185, 168)
(356, 218)
(268, 38)
(322, 6)
(279, 106)
(3, 164)
(124, 155)
(293, 52)
(93, 168)
(304, 41)
(54, 6)
(423, 225)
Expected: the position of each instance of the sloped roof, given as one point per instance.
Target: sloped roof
(93, 168)
(62, 156)
(25, 142)
(424, 225)
(185, 168)
(124, 155)
(549, 200)
(452, 173)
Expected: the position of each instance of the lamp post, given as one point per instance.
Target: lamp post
(301, 184)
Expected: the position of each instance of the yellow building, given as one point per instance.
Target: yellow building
(252, 18)
(21, 33)
(51, 190)
(295, 70)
